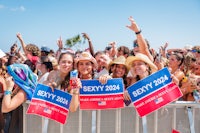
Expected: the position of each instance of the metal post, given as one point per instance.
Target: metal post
(24, 117)
(45, 123)
(118, 121)
(156, 121)
(144, 124)
(98, 121)
(174, 118)
(61, 128)
(137, 124)
(191, 120)
(80, 122)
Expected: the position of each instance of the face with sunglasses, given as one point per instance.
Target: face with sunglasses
(196, 52)
(135, 47)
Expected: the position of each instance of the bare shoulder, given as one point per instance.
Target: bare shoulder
(52, 75)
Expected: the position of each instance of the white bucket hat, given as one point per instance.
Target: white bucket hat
(2, 54)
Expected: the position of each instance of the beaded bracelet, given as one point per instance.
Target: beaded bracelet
(7, 92)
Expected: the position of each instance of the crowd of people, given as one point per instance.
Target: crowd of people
(52, 68)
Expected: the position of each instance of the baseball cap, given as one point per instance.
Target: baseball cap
(45, 49)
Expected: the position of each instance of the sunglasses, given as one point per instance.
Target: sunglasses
(198, 83)
(195, 51)
(135, 45)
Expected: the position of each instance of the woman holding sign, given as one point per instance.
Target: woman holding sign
(86, 65)
(176, 61)
(61, 79)
(141, 67)
(120, 70)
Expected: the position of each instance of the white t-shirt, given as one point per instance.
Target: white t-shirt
(43, 78)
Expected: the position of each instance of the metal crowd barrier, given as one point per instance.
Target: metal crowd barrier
(181, 116)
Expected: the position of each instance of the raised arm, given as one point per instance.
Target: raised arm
(19, 36)
(8, 103)
(143, 47)
(89, 43)
(60, 47)
(113, 49)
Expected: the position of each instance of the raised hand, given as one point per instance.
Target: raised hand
(134, 27)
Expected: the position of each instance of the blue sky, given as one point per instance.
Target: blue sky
(42, 22)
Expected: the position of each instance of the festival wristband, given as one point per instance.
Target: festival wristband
(7, 92)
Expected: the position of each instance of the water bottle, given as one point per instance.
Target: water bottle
(196, 96)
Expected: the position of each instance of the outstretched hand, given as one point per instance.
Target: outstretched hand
(19, 36)
(85, 35)
(60, 43)
(134, 27)
(9, 83)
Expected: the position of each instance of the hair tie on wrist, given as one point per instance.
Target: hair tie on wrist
(138, 32)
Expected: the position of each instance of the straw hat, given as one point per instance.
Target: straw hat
(141, 57)
(2, 54)
(121, 60)
(88, 57)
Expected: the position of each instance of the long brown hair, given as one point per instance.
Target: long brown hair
(65, 83)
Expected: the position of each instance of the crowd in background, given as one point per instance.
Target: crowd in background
(52, 67)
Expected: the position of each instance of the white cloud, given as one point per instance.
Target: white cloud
(21, 8)
(2, 6)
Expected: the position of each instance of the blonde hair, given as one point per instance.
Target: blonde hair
(33, 49)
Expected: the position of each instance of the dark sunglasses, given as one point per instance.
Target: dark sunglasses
(195, 51)
(198, 83)
(135, 45)
(193, 59)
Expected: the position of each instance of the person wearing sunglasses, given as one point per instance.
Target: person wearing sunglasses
(140, 44)
(196, 51)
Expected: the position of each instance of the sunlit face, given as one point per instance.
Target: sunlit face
(66, 63)
(14, 48)
(102, 60)
(139, 67)
(13, 59)
(85, 67)
(136, 50)
(43, 68)
(120, 53)
(197, 53)
(98, 59)
(173, 62)
(197, 67)
(4, 59)
(119, 71)
(38, 65)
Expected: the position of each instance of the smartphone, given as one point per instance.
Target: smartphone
(73, 78)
